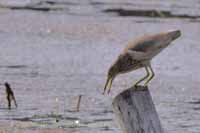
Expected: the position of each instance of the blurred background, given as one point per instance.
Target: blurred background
(52, 51)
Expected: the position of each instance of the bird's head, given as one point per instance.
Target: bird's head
(112, 73)
(168, 37)
(173, 34)
(165, 38)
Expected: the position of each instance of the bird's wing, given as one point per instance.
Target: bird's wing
(142, 44)
(139, 55)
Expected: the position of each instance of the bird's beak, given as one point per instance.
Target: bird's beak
(108, 84)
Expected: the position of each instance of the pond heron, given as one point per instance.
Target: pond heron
(138, 54)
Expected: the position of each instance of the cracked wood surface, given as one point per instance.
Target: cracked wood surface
(135, 111)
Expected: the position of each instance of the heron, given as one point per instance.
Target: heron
(138, 54)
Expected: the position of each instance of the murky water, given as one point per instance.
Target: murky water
(52, 52)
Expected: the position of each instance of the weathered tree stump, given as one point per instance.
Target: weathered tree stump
(135, 111)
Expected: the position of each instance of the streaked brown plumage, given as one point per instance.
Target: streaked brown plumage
(138, 54)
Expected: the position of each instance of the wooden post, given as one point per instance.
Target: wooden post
(136, 112)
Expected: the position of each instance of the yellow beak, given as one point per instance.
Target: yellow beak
(109, 84)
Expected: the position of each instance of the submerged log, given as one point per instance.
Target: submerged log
(135, 111)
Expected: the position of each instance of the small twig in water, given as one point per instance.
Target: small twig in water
(10, 95)
(78, 103)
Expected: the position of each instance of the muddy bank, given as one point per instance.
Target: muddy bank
(149, 13)
(142, 8)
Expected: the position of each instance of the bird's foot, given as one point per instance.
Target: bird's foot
(140, 87)
(146, 85)
(136, 86)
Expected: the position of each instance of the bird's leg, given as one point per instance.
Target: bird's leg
(150, 77)
(136, 83)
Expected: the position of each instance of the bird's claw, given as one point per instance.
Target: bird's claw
(135, 85)
(145, 85)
